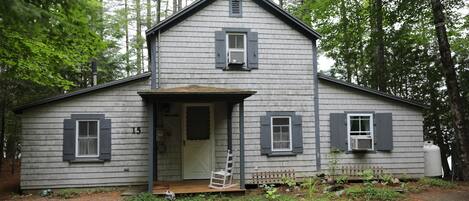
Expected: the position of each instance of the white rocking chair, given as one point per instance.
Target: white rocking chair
(223, 179)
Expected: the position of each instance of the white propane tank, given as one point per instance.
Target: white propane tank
(432, 159)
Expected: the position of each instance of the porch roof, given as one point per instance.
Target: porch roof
(197, 93)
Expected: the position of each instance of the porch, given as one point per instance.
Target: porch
(191, 131)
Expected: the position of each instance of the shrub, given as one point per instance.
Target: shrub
(367, 176)
(310, 185)
(371, 193)
(386, 179)
(290, 182)
(436, 182)
(271, 192)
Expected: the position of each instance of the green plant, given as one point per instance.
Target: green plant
(67, 193)
(310, 185)
(436, 182)
(367, 176)
(333, 162)
(342, 179)
(271, 192)
(386, 179)
(372, 193)
(143, 197)
(290, 182)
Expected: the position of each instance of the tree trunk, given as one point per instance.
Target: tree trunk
(344, 25)
(379, 76)
(456, 103)
(126, 25)
(280, 3)
(175, 6)
(179, 5)
(158, 11)
(138, 36)
(2, 128)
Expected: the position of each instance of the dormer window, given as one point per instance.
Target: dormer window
(236, 51)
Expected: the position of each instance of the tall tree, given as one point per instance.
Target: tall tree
(454, 93)
(175, 6)
(158, 11)
(179, 5)
(377, 38)
(126, 27)
(138, 37)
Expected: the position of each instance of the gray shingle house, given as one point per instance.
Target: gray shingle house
(225, 74)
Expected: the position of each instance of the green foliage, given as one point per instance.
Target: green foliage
(371, 193)
(67, 193)
(290, 182)
(271, 192)
(310, 185)
(342, 179)
(436, 182)
(367, 176)
(333, 162)
(386, 178)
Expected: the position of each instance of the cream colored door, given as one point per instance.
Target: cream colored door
(198, 141)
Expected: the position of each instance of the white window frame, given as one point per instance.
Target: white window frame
(236, 49)
(371, 135)
(272, 133)
(77, 134)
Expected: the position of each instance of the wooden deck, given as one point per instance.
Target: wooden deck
(191, 187)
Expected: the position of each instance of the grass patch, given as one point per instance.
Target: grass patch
(372, 193)
(436, 182)
(67, 193)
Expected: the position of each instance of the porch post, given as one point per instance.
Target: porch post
(241, 145)
(152, 106)
(229, 126)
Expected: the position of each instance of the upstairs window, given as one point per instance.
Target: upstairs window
(281, 133)
(87, 138)
(236, 51)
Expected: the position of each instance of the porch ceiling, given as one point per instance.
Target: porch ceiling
(196, 93)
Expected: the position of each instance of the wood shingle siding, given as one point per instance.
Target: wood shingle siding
(283, 80)
(42, 165)
(406, 156)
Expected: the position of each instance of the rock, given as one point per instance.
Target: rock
(374, 182)
(45, 193)
(339, 193)
(395, 181)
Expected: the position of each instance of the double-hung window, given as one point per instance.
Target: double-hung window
(236, 51)
(87, 138)
(360, 131)
(281, 133)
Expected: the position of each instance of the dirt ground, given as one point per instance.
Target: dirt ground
(460, 193)
(9, 182)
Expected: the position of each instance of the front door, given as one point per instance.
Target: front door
(198, 139)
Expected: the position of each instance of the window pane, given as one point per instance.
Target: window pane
(276, 137)
(240, 41)
(198, 123)
(276, 129)
(93, 147)
(355, 124)
(93, 128)
(280, 121)
(82, 147)
(365, 124)
(286, 136)
(232, 41)
(82, 128)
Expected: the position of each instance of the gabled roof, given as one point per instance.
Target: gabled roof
(20, 109)
(266, 4)
(371, 91)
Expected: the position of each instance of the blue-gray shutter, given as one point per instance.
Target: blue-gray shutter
(338, 129)
(265, 136)
(383, 132)
(297, 134)
(105, 139)
(220, 49)
(69, 140)
(253, 60)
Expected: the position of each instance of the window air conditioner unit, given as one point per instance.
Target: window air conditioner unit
(361, 143)
(236, 57)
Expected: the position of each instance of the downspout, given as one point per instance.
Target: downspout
(316, 106)
(159, 58)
